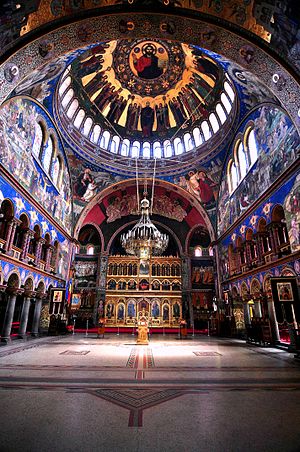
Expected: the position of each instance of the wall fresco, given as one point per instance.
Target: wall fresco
(288, 196)
(278, 147)
(23, 206)
(87, 182)
(18, 139)
(6, 268)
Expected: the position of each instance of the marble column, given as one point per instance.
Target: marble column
(36, 317)
(25, 245)
(9, 233)
(38, 251)
(24, 314)
(9, 315)
(48, 257)
(101, 283)
(273, 320)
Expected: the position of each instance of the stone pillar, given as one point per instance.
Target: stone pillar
(48, 257)
(9, 234)
(248, 257)
(25, 245)
(101, 290)
(257, 309)
(36, 317)
(273, 320)
(24, 314)
(186, 287)
(9, 315)
(260, 249)
(38, 251)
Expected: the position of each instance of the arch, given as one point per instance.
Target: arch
(114, 144)
(277, 213)
(255, 287)
(288, 271)
(244, 291)
(40, 288)
(88, 123)
(261, 225)
(21, 229)
(72, 108)
(29, 283)
(13, 280)
(95, 134)
(221, 113)
(7, 209)
(128, 182)
(79, 118)
(249, 234)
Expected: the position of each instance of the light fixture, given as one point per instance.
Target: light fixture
(144, 239)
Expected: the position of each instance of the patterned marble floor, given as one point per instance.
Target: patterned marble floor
(81, 393)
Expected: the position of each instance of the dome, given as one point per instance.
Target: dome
(141, 99)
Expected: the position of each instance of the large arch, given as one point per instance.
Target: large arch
(159, 183)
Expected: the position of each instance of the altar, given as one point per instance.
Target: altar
(143, 328)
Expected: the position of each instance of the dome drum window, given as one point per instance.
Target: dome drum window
(149, 122)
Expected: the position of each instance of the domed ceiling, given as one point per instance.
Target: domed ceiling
(145, 99)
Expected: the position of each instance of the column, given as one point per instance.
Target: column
(186, 287)
(248, 257)
(101, 289)
(9, 315)
(25, 245)
(36, 317)
(260, 249)
(38, 251)
(8, 236)
(273, 320)
(24, 314)
(48, 257)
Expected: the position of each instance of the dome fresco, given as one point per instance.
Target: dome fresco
(145, 98)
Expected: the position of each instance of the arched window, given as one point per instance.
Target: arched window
(221, 113)
(104, 142)
(167, 148)
(38, 140)
(214, 122)
(234, 177)
(90, 249)
(225, 102)
(157, 151)
(188, 142)
(178, 146)
(242, 160)
(87, 126)
(64, 85)
(146, 150)
(252, 147)
(72, 108)
(47, 155)
(197, 136)
(206, 130)
(114, 145)
(95, 133)
(55, 169)
(68, 96)
(79, 118)
(198, 251)
(125, 147)
(229, 91)
(135, 149)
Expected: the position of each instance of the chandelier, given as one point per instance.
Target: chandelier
(144, 239)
